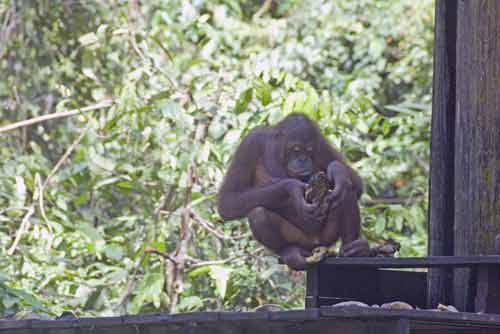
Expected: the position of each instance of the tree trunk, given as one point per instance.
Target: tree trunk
(477, 136)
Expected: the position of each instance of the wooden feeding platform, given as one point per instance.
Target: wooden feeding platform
(369, 280)
(374, 280)
(345, 320)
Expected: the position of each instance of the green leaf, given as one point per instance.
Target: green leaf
(161, 95)
(88, 39)
(190, 303)
(398, 220)
(379, 225)
(289, 104)
(310, 106)
(125, 185)
(263, 92)
(117, 276)
(101, 162)
(91, 232)
(325, 105)
(232, 136)
(151, 287)
(27, 297)
(243, 100)
(204, 153)
(20, 195)
(200, 271)
(89, 73)
(106, 182)
(114, 252)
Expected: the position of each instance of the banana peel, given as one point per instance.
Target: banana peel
(319, 253)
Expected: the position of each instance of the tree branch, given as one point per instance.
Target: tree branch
(38, 195)
(22, 228)
(210, 228)
(43, 118)
(262, 10)
(392, 200)
(182, 247)
(198, 263)
(131, 283)
(8, 27)
(165, 255)
(65, 156)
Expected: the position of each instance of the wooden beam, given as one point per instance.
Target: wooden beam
(441, 188)
(477, 137)
(413, 262)
(344, 320)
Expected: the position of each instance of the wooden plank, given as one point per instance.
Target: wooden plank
(238, 316)
(408, 286)
(412, 262)
(441, 190)
(477, 137)
(299, 315)
(491, 320)
(488, 290)
(154, 323)
(436, 327)
(17, 331)
(246, 322)
(13, 324)
(482, 289)
(115, 330)
(350, 283)
(63, 326)
(201, 323)
(335, 326)
(100, 321)
(195, 317)
(210, 328)
(402, 326)
(146, 318)
(343, 320)
(55, 323)
(312, 287)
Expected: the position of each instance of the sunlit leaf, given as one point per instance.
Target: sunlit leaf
(114, 252)
(101, 162)
(221, 277)
(263, 92)
(244, 100)
(190, 303)
(232, 136)
(89, 231)
(88, 39)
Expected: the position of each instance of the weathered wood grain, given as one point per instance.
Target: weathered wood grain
(344, 320)
(442, 169)
(477, 136)
(413, 262)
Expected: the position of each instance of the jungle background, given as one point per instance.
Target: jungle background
(107, 204)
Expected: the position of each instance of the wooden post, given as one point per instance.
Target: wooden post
(477, 136)
(312, 287)
(464, 203)
(441, 198)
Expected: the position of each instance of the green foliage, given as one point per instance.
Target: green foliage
(189, 79)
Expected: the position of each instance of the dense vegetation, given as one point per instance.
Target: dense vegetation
(112, 210)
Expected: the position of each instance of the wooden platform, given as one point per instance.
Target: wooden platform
(345, 320)
(414, 262)
(371, 280)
